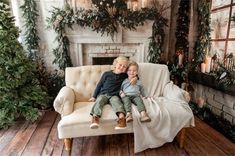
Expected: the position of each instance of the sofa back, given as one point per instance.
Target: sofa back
(83, 79)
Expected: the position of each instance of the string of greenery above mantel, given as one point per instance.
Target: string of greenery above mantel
(104, 19)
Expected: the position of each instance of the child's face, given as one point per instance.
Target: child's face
(121, 67)
(132, 71)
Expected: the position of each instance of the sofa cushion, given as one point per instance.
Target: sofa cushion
(83, 80)
(77, 123)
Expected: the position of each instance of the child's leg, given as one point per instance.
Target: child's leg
(127, 103)
(118, 107)
(96, 110)
(137, 100)
(98, 106)
(141, 108)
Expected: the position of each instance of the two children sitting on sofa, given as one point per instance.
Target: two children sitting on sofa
(115, 84)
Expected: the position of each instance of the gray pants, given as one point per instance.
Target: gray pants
(102, 100)
(136, 100)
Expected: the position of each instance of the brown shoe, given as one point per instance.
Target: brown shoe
(94, 123)
(129, 117)
(121, 124)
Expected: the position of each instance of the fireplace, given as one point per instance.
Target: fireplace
(102, 60)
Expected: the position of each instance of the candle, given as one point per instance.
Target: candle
(144, 3)
(180, 57)
(208, 64)
(203, 67)
(135, 5)
(129, 5)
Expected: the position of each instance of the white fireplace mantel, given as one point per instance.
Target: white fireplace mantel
(86, 44)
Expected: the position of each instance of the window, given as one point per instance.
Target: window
(223, 29)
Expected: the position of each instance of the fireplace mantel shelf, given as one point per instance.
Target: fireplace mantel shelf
(208, 80)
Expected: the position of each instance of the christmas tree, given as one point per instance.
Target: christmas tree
(20, 92)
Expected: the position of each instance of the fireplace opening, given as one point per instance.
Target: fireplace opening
(102, 60)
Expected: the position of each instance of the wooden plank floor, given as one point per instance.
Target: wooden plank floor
(40, 138)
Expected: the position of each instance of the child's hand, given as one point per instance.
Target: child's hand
(92, 99)
(133, 80)
(122, 94)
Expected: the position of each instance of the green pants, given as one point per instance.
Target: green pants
(102, 100)
(136, 100)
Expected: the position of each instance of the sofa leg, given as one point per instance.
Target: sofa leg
(68, 145)
(181, 137)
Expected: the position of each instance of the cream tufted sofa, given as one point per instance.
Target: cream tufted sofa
(72, 102)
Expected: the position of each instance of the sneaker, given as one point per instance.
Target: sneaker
(129, 117)
(121, 124)
(94, 122)
(145, 118)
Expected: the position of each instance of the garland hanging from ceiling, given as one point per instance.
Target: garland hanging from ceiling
(30, 14)
(104, 19)
(204, 40)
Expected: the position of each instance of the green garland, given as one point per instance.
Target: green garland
(203, 41)
(182, 30)
(30, 14)
(156, 40)
(225, 77)
(102, 21)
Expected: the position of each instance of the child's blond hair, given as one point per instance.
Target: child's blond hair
(133, 63)
(119, 58)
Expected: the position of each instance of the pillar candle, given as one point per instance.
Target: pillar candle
(208, 64)
(129, 5)
(144, 3)
(135, 5)
(203, 67)
(180, 57)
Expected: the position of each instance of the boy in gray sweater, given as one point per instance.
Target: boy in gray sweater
(132, 94)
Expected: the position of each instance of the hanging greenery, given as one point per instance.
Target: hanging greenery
(157, 39)
(30, 14)
(182, 30)
(104, 19)
(179, 69)
(203, 41)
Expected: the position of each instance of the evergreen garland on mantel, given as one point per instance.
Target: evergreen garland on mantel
(103, 21)
(30, 14)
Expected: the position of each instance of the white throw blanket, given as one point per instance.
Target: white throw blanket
(168, 110)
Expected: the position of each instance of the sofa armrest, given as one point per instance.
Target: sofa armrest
(173, 92)
(64, 101)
